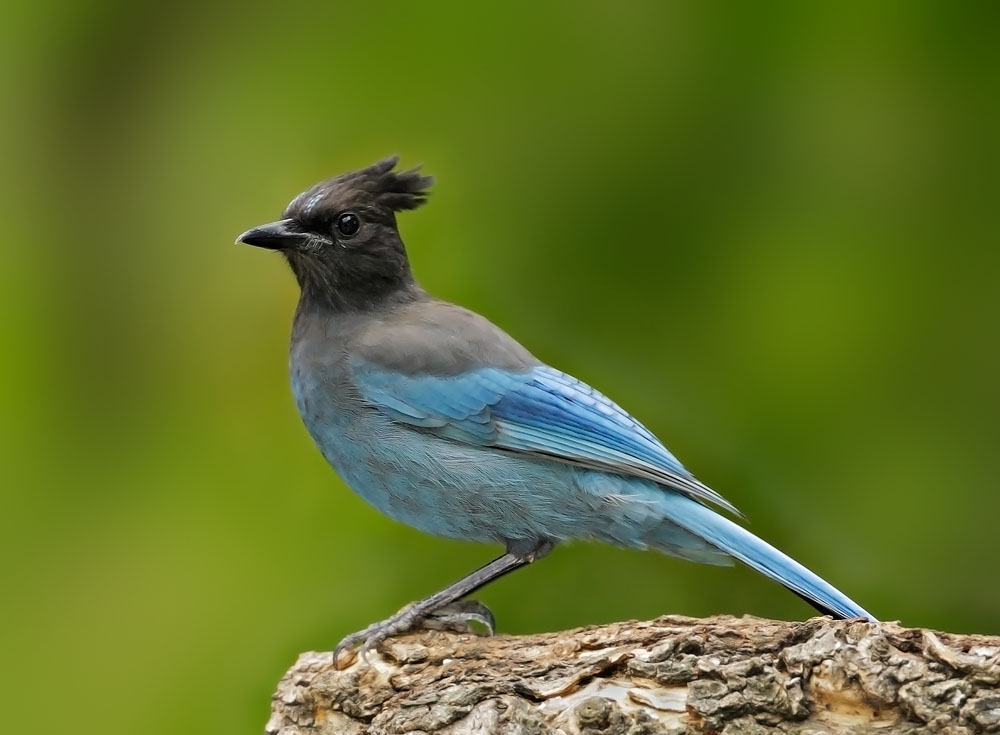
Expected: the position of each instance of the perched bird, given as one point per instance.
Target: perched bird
(442, 421)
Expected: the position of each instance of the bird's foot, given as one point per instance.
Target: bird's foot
(360, 643)
(460, 617)
(457, 616)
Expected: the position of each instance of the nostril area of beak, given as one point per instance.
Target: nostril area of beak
(275, 236)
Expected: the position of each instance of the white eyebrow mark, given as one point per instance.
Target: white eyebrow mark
(313, 201)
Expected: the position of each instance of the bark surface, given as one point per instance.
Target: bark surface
(673, 675)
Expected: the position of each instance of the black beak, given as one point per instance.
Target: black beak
(280, 235)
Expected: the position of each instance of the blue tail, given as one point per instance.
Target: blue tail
(761, 556)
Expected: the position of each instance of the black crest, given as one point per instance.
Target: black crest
(378, 185)
(403, 190)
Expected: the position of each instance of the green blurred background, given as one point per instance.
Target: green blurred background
(772, 234)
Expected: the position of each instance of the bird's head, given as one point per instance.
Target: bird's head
(340, 236)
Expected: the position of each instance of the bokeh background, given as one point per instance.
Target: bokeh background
(771, 233)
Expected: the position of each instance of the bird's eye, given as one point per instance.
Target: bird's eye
(348, 224)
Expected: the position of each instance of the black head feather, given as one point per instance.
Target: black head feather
(363, 266)
(377, 186)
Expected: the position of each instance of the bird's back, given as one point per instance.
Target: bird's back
(431, 337)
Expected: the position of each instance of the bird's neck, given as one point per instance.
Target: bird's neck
(375, 297)
(327, 287)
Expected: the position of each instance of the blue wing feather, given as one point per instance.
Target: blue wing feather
(539, 411)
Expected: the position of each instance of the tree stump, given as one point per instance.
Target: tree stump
(670, 676)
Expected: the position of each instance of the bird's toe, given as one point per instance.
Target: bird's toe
(461, 617)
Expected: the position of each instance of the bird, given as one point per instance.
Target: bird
(444, 422)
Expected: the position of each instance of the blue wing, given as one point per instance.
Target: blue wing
(541, 411)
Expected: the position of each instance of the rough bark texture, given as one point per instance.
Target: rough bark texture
(672, 675)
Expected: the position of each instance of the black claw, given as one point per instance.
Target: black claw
(459, 617)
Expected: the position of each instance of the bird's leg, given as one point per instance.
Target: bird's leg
(518, 555)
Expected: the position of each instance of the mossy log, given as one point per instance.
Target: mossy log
(673, 675)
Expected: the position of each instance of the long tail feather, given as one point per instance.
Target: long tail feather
(761, 556)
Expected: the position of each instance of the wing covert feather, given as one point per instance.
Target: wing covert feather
(539, 411)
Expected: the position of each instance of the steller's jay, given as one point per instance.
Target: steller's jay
(442, 421)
